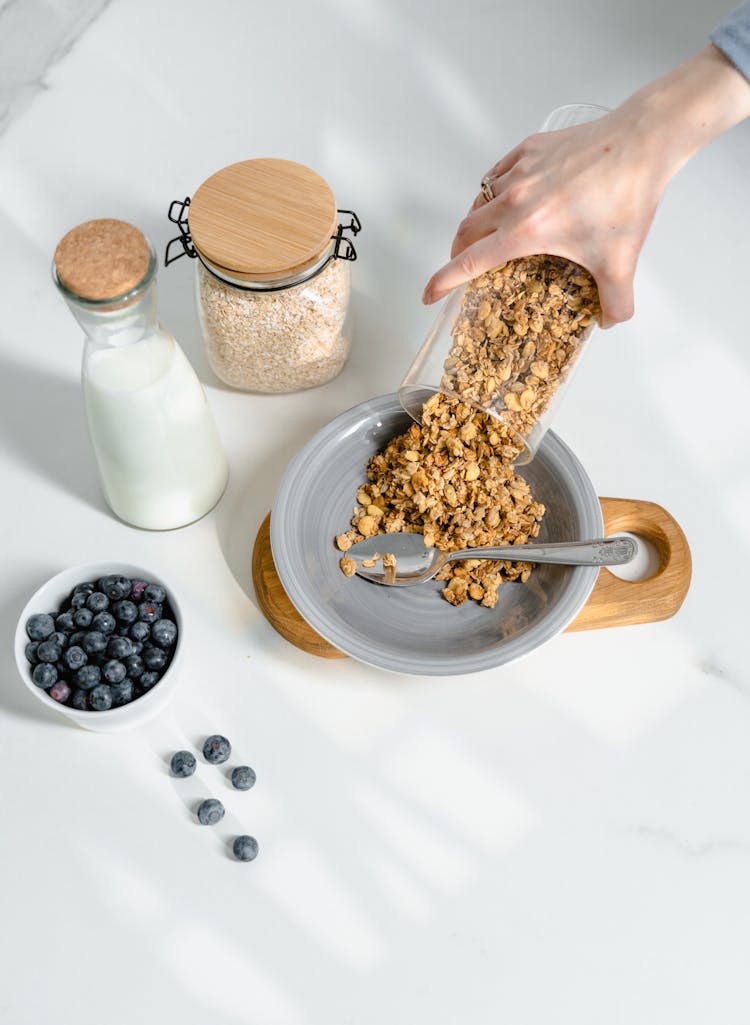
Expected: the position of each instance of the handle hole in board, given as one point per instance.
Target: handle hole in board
(647, 561)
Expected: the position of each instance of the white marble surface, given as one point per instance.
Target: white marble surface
(566, 839)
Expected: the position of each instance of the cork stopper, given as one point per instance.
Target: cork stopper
(102, 259)
(263, 219)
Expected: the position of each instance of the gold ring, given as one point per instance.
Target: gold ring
(487, 189)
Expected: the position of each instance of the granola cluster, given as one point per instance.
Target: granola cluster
(518, 333)
(453, 481)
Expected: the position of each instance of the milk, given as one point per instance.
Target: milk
(160, 458)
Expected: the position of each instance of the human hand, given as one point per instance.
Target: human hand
(589, 193)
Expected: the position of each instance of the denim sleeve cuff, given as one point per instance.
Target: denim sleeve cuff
(732, 37)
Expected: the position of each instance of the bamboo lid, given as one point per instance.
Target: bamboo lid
(263, 219)
(102, 259)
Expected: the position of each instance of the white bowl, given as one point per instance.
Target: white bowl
(49, 597)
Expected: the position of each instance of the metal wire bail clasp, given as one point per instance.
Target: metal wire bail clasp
(344, 247)
(178, 216)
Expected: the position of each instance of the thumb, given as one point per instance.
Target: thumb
(490, 251)
(615, 297)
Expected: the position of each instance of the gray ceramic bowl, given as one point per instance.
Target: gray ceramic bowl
(414, 630)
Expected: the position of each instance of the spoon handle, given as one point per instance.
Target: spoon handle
(613, 551)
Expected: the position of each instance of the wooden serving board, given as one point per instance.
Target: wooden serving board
(613, 602)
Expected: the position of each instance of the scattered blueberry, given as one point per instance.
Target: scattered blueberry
(155, 593)
(137, 647)
(119, 647)
(60, 638)
(210, 812)
(49, 651)
(164, 633)
(30, 652)
(154, 658)
(65, 622)
(137, 589)
(75, 657)
(78, 600)
(80, 700)
(149, 612)
(243, 777)
(94, 642)
(134, 666)
(83, 618)
(182, 764)
(97, 602)
(100, 698)
(216, 749)
(40, 626)
(122, 693)
(245, 848)
(114, 671)
(104, 622)
(147, 680)
(125, 611)
(86, 587)
(88, 677)
(76, 639)
(44, 675)
(60, 691)
(140, 631)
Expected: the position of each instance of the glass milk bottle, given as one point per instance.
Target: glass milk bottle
(158, 451)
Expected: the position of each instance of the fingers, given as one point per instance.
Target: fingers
(477, 258)
(476, 225)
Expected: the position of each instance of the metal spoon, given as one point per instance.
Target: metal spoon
(416, 563)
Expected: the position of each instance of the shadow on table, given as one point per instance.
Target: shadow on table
(42, 421)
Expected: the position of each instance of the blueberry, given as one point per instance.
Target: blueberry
(104, 622)
(125, 611)
(115, 587)
(149, 611)
(75, 657)
(134, 666)
(216, 749)
(119, 647)
(97, 602)
(140, 631)
(100, 698)
(83, 618)
(65, 622)
(85, 588)
(122, 693)
(137, 589)
(94, 642)
(30, 651)
(243, 777)
(40, 626)
(155, 593)
(137, 647)
(78, 601)
(245, 848)
(182, 764)
(80, 700)
(44, 675)
(147, 680)
(60, 691)
(76, 639)
(114, 671)
(154, 658)
(60, 638)
(88, 676)
(210, 812)
(49, 651)
(164, 633)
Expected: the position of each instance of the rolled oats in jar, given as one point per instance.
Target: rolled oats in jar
(273, 274)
